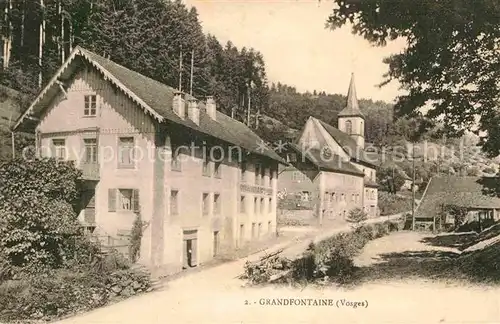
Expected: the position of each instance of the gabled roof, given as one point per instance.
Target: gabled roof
(156, 99)
(470, 192)
(352, 107)
(333, 163)
(349, 145)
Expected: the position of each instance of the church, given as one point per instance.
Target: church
(330, 170)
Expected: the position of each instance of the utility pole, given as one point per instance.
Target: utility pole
(41, 43)
(248, 108)
(413, 188)
(192, 67)
(7, 46)
(257, 116)
(180, 70)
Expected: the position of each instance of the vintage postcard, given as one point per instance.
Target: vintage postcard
(286, 161)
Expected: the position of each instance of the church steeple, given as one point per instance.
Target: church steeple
(350, 119)
(352, 107)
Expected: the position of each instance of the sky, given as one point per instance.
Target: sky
(298, 50)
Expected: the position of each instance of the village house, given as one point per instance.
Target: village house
(199, 179)
(331, 166)
(478, 196)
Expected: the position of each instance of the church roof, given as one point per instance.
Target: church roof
(352, 107)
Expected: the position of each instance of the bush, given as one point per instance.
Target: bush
(356, 216)
(48, 296)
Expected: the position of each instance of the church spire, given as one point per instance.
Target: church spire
(352, 107)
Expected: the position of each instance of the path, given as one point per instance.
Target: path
(215, 296)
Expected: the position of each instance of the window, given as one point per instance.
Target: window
(217, 170)
(259, 231)
(291, 157)
(175, 162)
(262, 206)
(326, 197)
(255, 207)
(298, 176)
(90, 150)
(348, 127)
(343, 197)
(263, 176)
(333, 196)
(270, 205)
(216, 243)
(217, 204)
(269, 227)
(174, 202)
(126, 152)
(60, 148)
(90, 108)
(243, 167)
(253, 230)
(271, 176)
(206, 166)
(205, 204)
(123, 200)
(362, 129)
(352, 197)
(243, 206)
(257, 174)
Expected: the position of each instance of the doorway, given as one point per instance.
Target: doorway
(190, 250)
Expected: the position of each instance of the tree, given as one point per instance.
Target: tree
(451, 61)
(38, 204)
(356, 216)
(390, 178)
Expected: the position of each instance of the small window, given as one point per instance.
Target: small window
(60, 148)
(217, 204)
(291, 157)
(352, 197)
(255, 205)
(243, 207)
(217, 169)
(206, 167)
(262, 206)
(128, 200)
(270, 205)
(243, 168)
(90, 108)
(175, 162)
(205, 203)
(126, 152)
(269, 227)
(174, 202)
(90, 150)
(343, 197)
(257, 174)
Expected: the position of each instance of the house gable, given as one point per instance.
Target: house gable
(115, 112)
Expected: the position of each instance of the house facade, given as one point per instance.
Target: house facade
(199, 180)
(335, 167)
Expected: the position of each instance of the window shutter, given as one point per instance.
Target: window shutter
(135, 200)
(111, 200)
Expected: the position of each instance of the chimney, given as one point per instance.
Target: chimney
(178, 104)
(194, 111)
(211, 107)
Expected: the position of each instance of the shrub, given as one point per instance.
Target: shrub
(356, 216)
(390, 204)
(37, 207)
(135, 239)
(46, 296)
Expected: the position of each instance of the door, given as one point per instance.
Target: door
(88, 201)
(190, 250)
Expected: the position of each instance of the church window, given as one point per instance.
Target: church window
(348, 127)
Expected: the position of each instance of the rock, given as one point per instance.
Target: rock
(136, 285)
(116, 289)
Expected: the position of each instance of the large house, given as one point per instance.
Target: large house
(478, 196)
(200, 180)
(331, 166)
